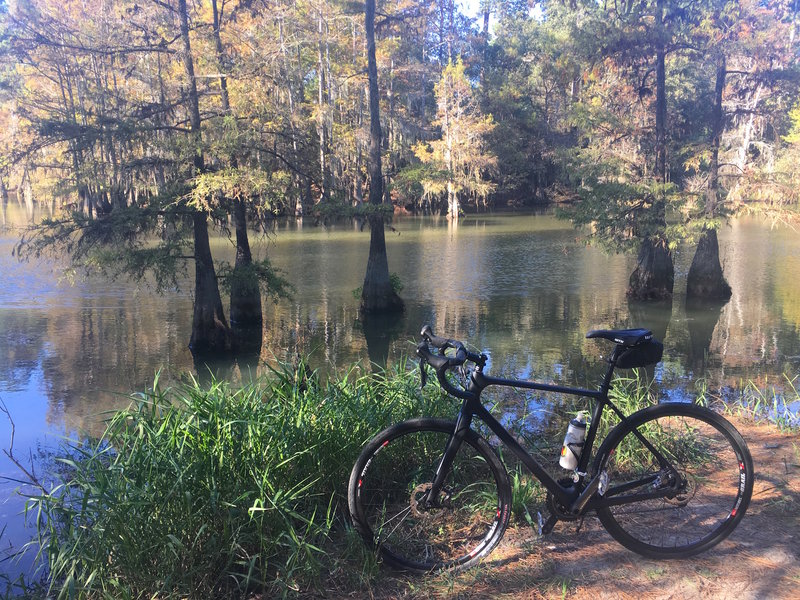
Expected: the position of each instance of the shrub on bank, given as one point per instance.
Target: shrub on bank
(215, 491)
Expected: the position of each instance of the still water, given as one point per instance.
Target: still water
(523, 288)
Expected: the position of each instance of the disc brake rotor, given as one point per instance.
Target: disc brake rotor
(687, 491)
(419, 497)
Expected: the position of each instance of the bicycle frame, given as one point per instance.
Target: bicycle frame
(574, 497)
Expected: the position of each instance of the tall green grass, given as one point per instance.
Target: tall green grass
(629, 394)
(685, 444)
(777, 404)
(200, 492)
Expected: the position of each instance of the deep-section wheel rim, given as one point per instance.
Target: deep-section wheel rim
(700, 503)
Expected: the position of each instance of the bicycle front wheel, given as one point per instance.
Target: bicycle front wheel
(388, 489)
(690, 500)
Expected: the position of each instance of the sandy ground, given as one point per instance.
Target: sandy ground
(760, 560)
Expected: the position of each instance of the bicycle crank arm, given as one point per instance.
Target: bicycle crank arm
(543, 526)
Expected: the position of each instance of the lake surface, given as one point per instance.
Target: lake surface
(523, 288)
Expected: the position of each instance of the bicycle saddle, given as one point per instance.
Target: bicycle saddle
(626, 337)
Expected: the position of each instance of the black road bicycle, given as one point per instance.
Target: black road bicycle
(668, 481)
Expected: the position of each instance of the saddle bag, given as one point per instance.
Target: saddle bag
(641, 355)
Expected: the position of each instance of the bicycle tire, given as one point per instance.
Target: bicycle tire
(391, 474)
(715, 467)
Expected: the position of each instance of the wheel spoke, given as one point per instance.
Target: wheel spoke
(405, 512)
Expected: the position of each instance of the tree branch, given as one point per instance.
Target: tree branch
(40, 40)
(31, 475)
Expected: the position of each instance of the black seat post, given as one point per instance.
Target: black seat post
(612, 362)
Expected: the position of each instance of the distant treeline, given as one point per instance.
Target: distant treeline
(519, 106)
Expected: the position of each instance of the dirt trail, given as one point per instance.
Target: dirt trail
(760, 560)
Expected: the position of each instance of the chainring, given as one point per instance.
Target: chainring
(556, 508)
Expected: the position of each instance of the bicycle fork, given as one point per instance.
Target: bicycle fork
(445, 464)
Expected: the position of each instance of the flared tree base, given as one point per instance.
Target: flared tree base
(384, 303)
(705, 280)
(654, 276)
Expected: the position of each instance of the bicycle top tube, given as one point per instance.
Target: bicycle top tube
(441, 361)
(483, 381)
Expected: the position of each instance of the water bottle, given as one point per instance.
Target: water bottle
(573, 442)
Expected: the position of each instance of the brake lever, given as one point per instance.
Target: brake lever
(423, 373)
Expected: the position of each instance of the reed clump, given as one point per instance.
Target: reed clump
(779, 404)
(211, 491)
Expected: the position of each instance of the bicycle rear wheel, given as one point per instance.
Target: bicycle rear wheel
(700, 501)
(391, 479)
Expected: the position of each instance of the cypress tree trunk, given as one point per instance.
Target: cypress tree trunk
(245, 311)
(246, 317)
(377, 295)
(453, 207)
(302, 185)
(322, 101)
(3, 201)
(210, 332)
(27, 193)
(654, 276)
(705, 279)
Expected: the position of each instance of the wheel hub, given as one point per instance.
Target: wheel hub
(686, 488)
(420, 503)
